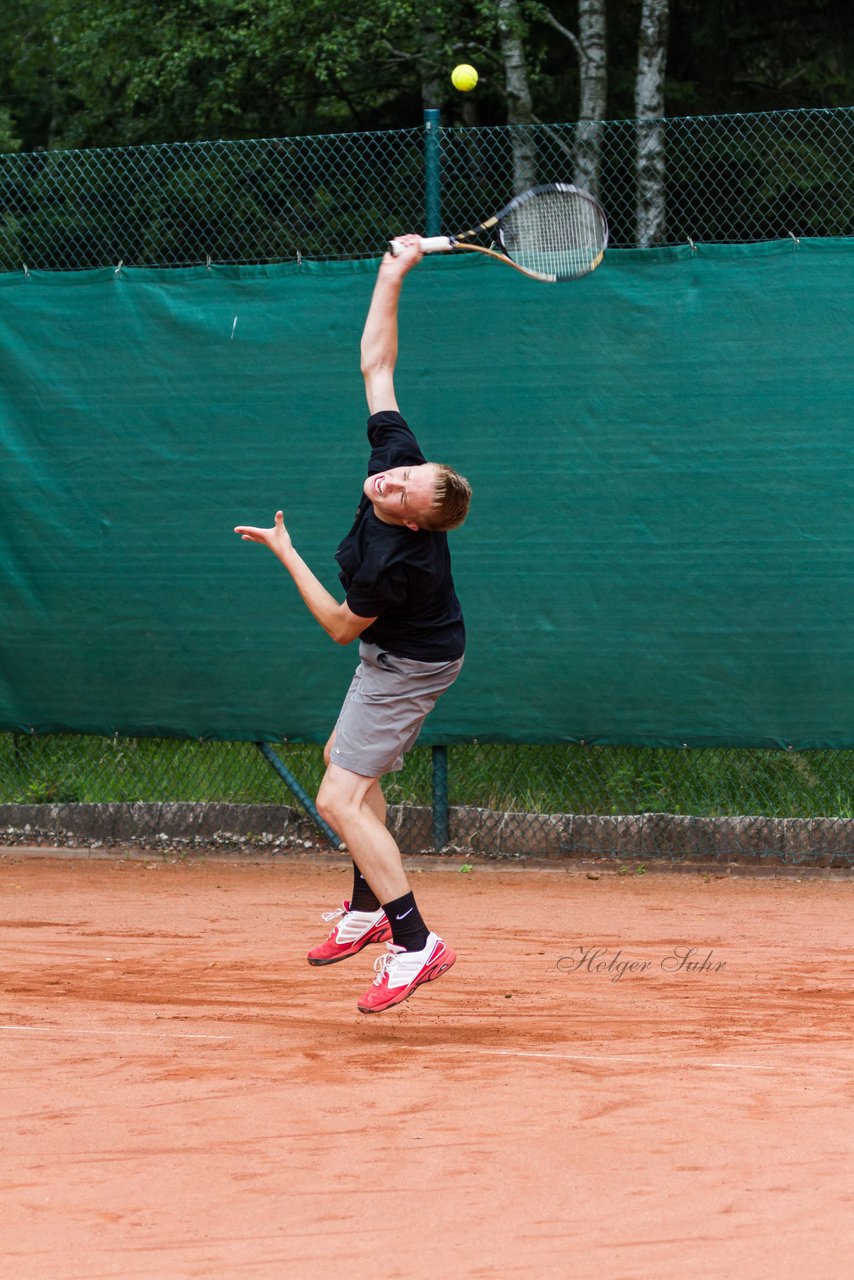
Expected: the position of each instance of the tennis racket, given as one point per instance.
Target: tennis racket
(553, 232)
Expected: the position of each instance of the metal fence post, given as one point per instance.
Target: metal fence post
(432, 172)
(441, 812)
(299, 792)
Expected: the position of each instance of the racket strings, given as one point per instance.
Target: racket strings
(556, 233)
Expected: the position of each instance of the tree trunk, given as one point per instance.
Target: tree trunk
(519, 106)
(593, 71)
(650, 219)
(428, 62)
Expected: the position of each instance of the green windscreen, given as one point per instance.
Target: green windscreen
(661, 543)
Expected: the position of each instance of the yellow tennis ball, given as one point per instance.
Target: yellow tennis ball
(464, 77)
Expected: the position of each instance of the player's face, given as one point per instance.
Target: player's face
(403, 494)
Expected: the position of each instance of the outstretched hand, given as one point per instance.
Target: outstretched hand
(277, 538)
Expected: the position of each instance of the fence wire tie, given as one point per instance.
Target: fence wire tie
(26, 270)
(796, 240)
(118, 270)
(207, 262)
(299, 258)
(693, 246)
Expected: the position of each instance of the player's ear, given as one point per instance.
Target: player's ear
(410, 524)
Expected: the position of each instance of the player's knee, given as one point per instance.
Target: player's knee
(331, 804)
(323, 804)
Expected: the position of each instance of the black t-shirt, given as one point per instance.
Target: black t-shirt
(400, 576)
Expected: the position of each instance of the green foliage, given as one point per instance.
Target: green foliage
(758, 56)
(116, 72)
(81, 73)
(9, 141)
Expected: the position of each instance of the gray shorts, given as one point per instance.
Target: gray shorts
(388, 701)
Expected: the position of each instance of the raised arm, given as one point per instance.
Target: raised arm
(379, 337)
(337, 620)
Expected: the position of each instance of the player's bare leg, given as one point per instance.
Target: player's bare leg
(355, 808)
(376, 802)
(374, 798)
(348, 802)
(360, 920)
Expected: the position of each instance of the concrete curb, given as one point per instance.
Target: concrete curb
(488, 833)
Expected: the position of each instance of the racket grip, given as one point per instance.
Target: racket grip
(429, 244)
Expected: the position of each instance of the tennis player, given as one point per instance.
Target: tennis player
(395, 568)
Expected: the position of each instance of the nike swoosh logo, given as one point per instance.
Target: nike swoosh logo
(405, 914)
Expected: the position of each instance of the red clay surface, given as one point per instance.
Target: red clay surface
(183, 1096)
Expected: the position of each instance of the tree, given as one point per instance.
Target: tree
(9, 141)
(754, 55)
(649, 110)
(519, 106)
(113, 72)
(208, 68)
(591, 51)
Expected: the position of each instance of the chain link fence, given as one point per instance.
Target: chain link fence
(493, 800)
(726, 178)
(733, 178)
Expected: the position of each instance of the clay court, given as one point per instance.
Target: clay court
(183, 1096)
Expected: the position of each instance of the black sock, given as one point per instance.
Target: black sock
(364, 898)
(408, 930)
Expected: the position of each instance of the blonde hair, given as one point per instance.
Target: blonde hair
(451, 500)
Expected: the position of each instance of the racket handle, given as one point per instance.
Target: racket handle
(429, 244)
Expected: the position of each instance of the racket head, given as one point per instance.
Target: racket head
(553, 232)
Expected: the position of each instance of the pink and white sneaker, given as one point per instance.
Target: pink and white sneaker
(399, 972)
(353, 930)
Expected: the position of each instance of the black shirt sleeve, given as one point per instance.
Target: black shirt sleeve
(392, 443)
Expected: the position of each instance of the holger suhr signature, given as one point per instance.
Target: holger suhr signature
(614, 965)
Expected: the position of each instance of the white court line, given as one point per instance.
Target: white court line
(636, 1058)
(98, 1031)
(500, 1053)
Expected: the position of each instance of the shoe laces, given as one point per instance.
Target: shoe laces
(329, 916)
(383, 962)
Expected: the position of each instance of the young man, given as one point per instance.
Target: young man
(400, 601)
